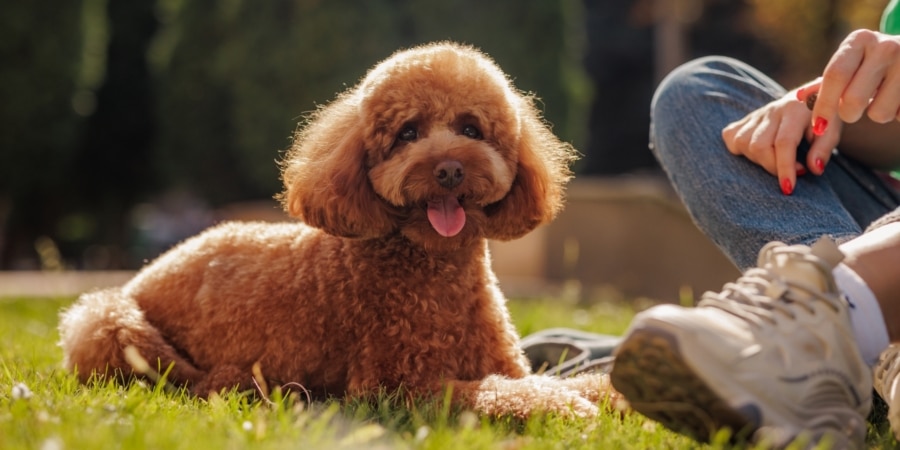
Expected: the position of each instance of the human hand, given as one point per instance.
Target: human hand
(862, 77)
(770, 135)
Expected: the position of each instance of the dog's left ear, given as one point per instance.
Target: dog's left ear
(325, 177)
(537, 193)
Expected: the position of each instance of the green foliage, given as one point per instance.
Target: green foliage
(237, 76)
(232, 78)
(808, 31)
(85, 135)
(41, 51)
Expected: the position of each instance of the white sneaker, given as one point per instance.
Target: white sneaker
(772, 356)
(887, 384)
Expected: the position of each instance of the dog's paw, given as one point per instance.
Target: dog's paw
(597, 389)
(574, 405)
(529, 396)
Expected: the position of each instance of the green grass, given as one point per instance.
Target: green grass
(44, 407)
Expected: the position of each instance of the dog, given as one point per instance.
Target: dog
(385, 282)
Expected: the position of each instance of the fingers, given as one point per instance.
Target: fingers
(836, 77)
(752, 137)
(821, 147)
(808, 93)
(861, 78)
(785, 143)
(885, 106)
(769, 137)
(820, 150)
(873, 90)
(737, 134)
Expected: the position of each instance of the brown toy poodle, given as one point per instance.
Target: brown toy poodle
(387, 283)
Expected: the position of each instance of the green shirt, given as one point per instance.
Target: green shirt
(890, 19)
(890, 24)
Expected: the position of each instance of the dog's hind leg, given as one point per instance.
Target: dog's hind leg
(225, 377)
(105, 334)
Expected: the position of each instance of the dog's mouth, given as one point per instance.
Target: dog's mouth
(446, 214)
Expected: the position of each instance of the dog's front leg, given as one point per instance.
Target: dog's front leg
(497, 396)
(597, 389)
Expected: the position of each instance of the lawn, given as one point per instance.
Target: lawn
(44, 407)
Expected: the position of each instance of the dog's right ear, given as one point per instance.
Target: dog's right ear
(325, 176)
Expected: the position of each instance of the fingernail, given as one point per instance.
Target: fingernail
(820, 165)
(786, 187)
(801, 171)
(819, 126)
(800, 94)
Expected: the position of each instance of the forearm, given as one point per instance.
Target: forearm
(873, 144)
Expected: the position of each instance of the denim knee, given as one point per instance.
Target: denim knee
(701, 96)
(683, 79)
(690, 82)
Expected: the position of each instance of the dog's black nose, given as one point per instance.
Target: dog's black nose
(449, 173)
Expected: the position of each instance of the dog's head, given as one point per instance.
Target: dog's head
(434, 143)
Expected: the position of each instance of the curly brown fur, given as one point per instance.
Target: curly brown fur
(399, 182)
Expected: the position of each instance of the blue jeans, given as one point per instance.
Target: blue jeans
(734, 201)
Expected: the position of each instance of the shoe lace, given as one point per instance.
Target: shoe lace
(887, 369)
(761, 295)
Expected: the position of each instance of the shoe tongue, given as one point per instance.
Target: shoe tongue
(798, 271)
(446, 215)
(801, 265)
(828, 251)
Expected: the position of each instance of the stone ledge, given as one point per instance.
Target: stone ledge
(58, 284)
(625, 237)
(618, 237)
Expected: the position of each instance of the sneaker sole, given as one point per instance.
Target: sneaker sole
(651, 373)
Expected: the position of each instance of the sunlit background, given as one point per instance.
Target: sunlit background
(126, 126)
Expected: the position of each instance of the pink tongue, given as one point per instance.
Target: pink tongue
(446, 216)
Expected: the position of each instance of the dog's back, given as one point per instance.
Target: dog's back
(330, 313)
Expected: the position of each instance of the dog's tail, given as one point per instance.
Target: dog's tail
(105, 335)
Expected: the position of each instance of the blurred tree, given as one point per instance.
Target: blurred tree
(41, 51)
(103, 108)
(624, 64)
(240, 74)
(197, 131)
(806, 32)
(526, 38)
(113, 162)
(726, 27)
(619, 60)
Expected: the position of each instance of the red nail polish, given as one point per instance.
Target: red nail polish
(820, 165)
(800, 94)
(786, 187)
(801, 171)
(819, 126)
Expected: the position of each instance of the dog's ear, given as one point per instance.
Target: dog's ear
(325, 176)
(537, 193)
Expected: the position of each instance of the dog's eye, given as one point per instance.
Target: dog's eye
(471, 132)
(408, 133)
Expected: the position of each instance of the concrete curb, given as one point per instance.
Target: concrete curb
(57, 284)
